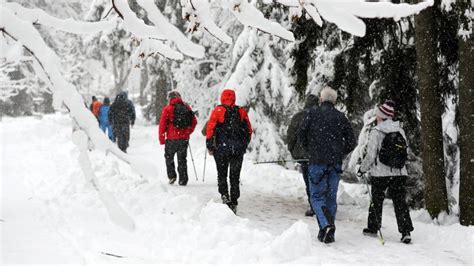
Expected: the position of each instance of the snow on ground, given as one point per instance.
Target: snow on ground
(50, 214)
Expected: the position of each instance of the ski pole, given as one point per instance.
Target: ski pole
(282, 161)
(382, 241)
(204, 171)
(192, 159)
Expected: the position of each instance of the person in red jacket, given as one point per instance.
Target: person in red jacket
(177, 122)
(227, 137)
(95, 107)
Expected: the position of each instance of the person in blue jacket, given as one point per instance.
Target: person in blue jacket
(104, 119)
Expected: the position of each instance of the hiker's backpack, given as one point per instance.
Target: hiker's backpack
(183, 116)
(234, 130)
(393, 151)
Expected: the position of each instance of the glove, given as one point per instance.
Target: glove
(132, 123)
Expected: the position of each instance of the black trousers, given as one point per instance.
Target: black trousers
(179, 147)
(122, 134)
(396, 190)
(224, 162)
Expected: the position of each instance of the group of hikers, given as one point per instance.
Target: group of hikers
(115, 119)
(319, 138)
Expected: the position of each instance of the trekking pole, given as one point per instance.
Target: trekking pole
(192, 159)
(204, 171)
(382, 241)
(282, 161)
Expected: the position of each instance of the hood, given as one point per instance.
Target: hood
(175, 100)
(228, 97)
(388, 126)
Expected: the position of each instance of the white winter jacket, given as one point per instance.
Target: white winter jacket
(371, 162)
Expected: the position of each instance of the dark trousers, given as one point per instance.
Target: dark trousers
(122, 134)
(304, 169)
(396, 190)
(224, 162)
(179, 147)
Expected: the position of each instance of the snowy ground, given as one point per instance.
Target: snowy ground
(50, 214)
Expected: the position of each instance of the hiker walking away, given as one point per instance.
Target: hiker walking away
(121, 117)
(177, 123)
(104, 119)
(295, 146)
(95, 107)
(227, 137)
(328, 137)
(385, 163)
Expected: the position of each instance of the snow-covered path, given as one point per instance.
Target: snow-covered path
(49, 214)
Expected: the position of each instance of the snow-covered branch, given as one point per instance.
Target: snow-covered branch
(38, 16)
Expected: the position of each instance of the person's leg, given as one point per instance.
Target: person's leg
(318, 188)
(127, 135)
(397, 192)
(170, 150)
(121, 137)
(110, 132)
(304, 170)
(235, 168)
(222, 164)
(331, 198)
(379, 185)
(182, 151)
(103, 126)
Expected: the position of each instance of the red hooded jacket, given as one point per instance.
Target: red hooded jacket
(218, 114)
(167, 130)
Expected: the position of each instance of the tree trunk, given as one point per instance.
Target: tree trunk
(466, 128)
(161, 89)
(431, 113)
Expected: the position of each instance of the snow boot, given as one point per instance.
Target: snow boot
(406, 238)
(309, 213)
(369, 232)
(233, 207)
(172, 180)
(182, 183)
(321, 235)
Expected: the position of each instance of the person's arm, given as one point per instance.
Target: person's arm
(163, 126)
(211, 125)
(244, 116)
(131, 111)
(349, 138)
(111, 115)
(291, 132)
(194, 121)
(372, 150)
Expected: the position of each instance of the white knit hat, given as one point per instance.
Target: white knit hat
(385, 110)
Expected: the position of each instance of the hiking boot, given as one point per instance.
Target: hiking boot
(329, 234)
(309, 212)
(406, 238)
(183, 183)
(225, 199)
(321, 235)
(369, 232)
(233, 207)
(172, 180)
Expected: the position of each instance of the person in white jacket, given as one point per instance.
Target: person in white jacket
(383, 176)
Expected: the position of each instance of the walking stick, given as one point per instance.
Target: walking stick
(204, 171)
(382, 241)
(192, 159)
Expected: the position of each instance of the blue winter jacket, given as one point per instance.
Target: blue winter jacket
(104, 114)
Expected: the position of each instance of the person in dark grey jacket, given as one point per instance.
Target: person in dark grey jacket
(295, 146)
(121, 116)
(328, 137)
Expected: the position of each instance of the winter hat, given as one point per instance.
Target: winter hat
(311, 100)
(386, 110)
(106, 101)
(173, 94)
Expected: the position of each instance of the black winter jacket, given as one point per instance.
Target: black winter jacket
(122, 111)
(327, 135)
(295, 145)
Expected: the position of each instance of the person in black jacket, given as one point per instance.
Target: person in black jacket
(295, 146)
(121, 116)
(328, 137)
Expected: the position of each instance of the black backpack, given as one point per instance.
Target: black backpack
(393, 151)
(183, 116)
(234, 130)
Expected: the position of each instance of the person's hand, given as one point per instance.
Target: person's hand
(211, 152)
(132, 123)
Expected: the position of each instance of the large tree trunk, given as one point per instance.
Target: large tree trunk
(431, 112)
(466, 126)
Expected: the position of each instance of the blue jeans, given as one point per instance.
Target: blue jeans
(107, 127)
(304, 169)
(323, 184)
